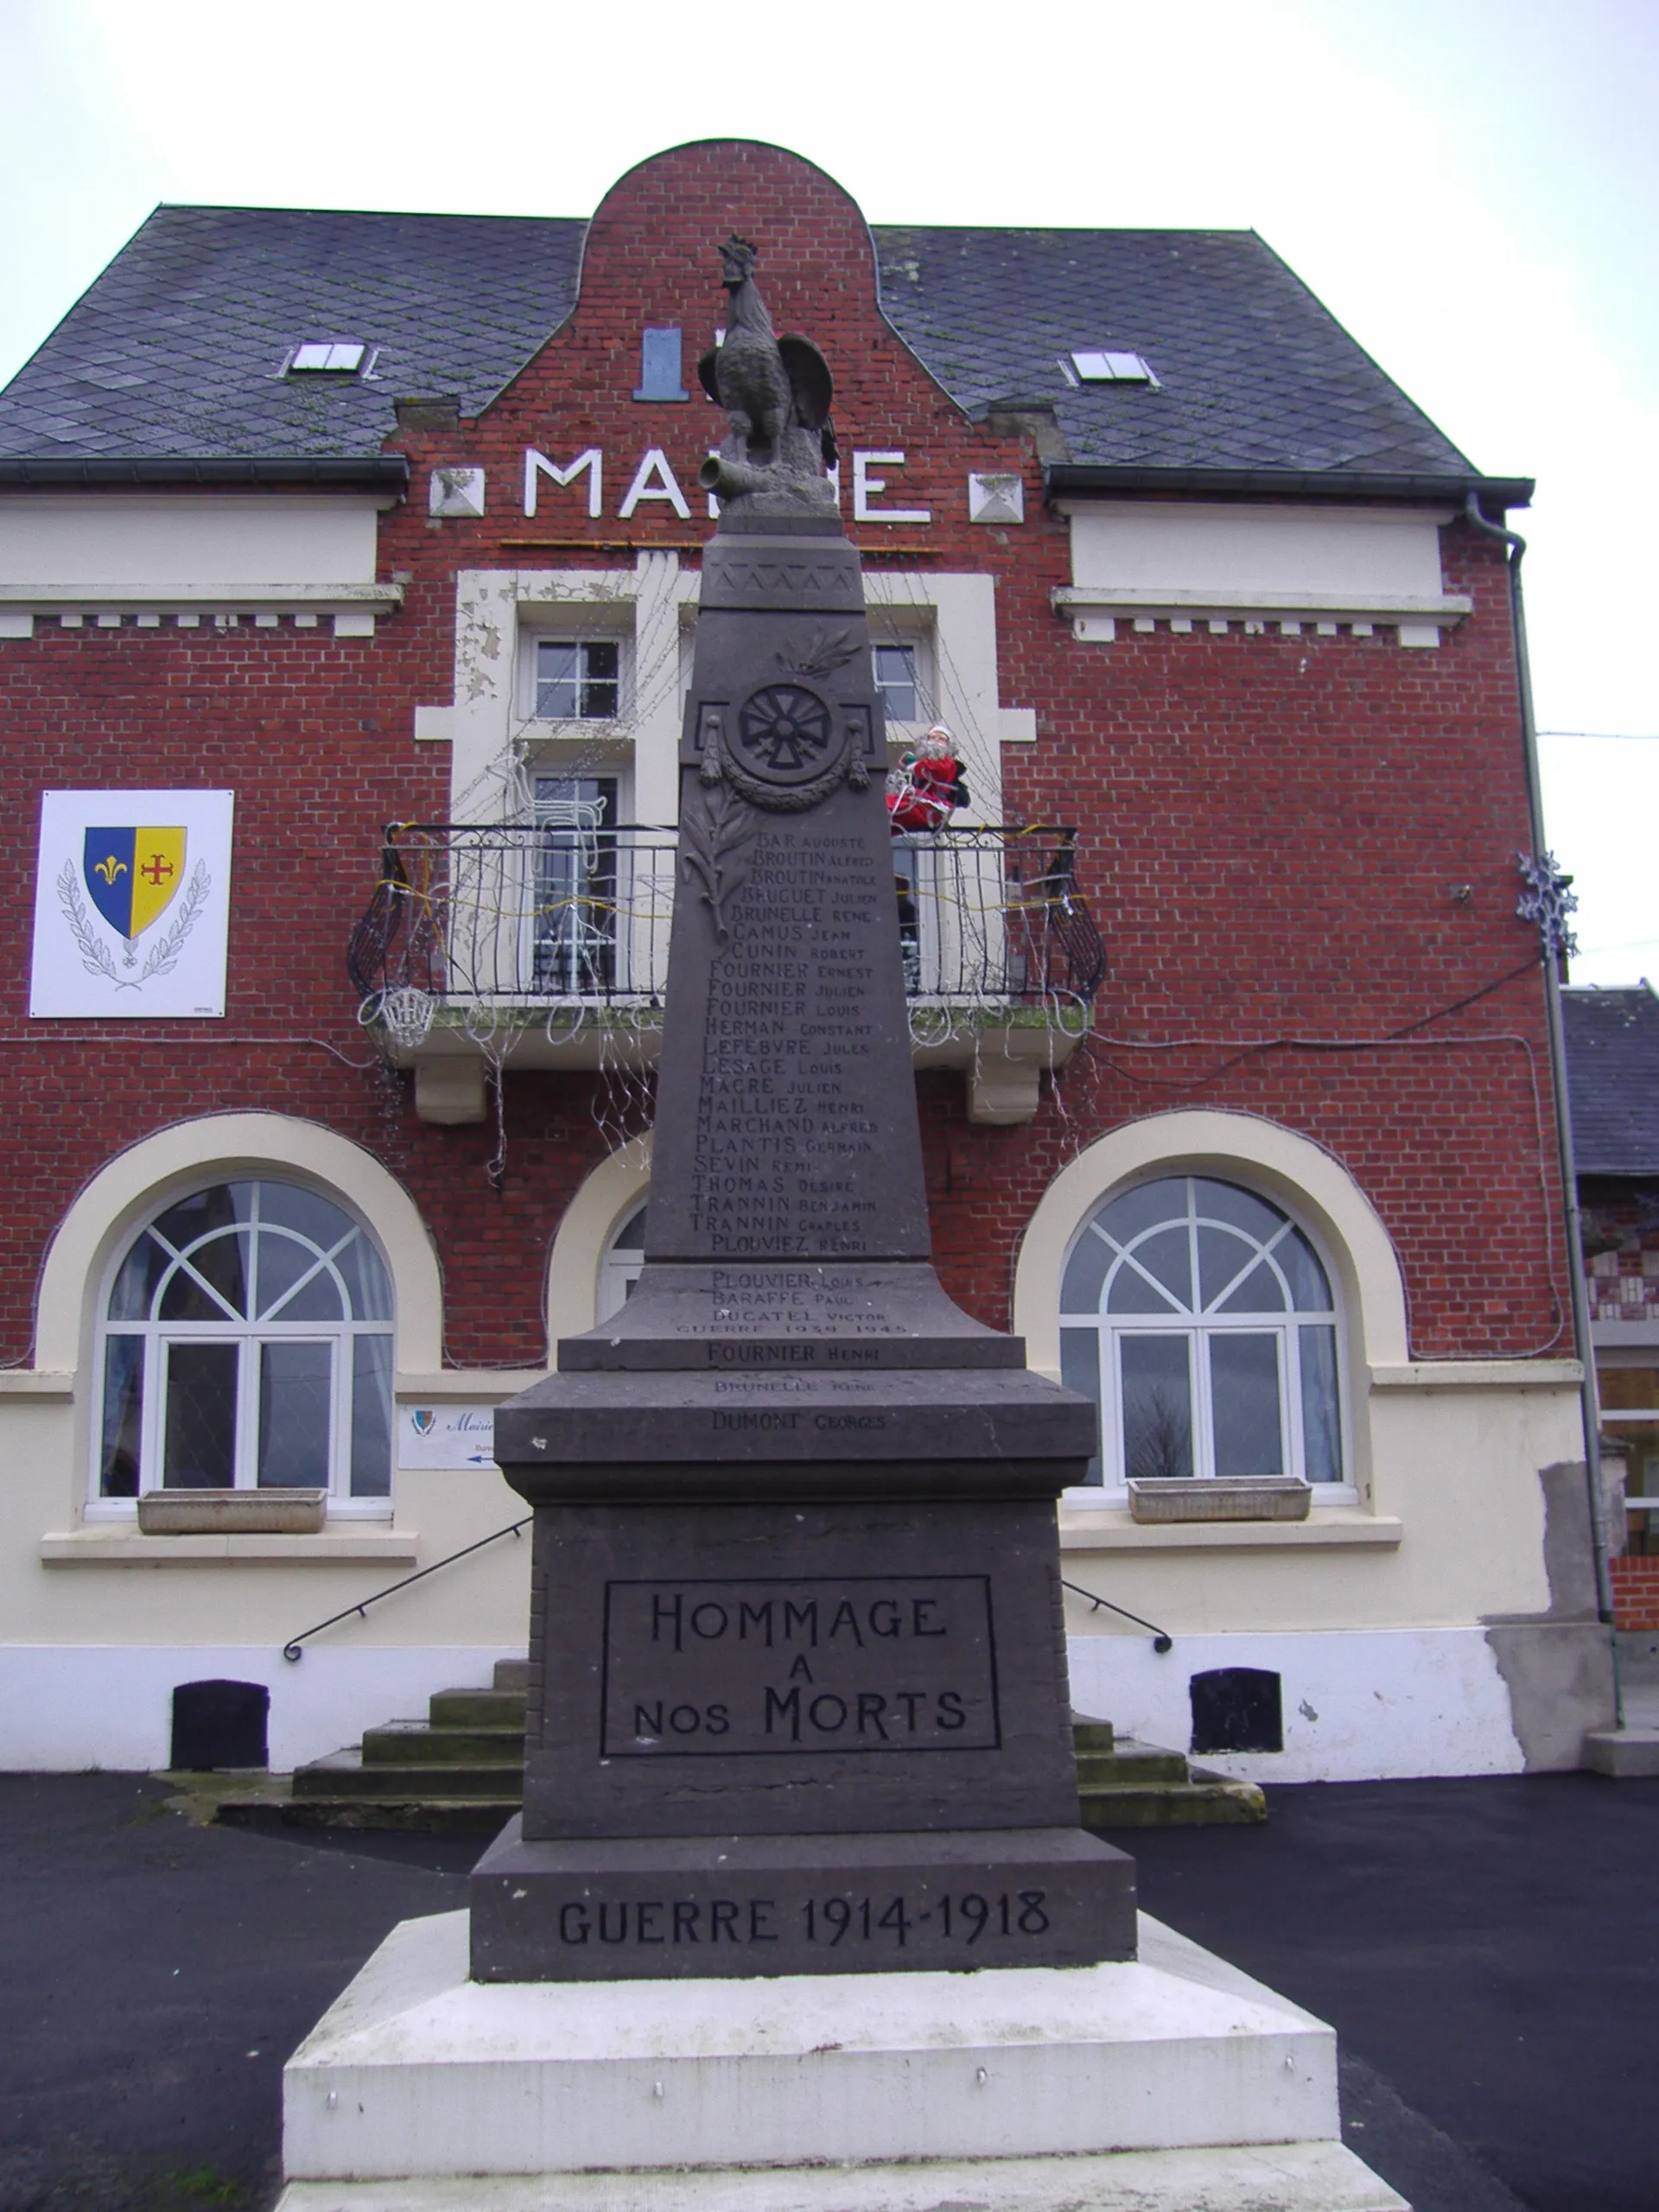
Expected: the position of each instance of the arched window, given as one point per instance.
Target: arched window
(1200, 1320)
(619, 1271)
(246, 1343)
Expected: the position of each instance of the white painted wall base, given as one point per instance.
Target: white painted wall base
(1360, 1705)
(66, 1707)
(417, 2071)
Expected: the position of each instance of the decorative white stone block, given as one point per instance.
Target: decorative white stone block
(16, 623)
(458, 492)
(1420, 635)
(1094, 629)
(354, 624)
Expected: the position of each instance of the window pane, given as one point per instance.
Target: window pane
(124, 1411)
(1321, 1416)
(199, 1446)
(1157, 1401)
(294, 1415)
(1261, 1292)
(135, 1286)
(282, 1261)
(319, 1299)
(372, 1417)
(223, 1262)
(1239, 1209)
(1221, 1254)
(312, 1216)
(1080, 1371)
(1085, 1271)
(600, 671)
(1168, 1258)
(217, 1208)
(1310, 1291)
(895, 679)
(1145, 1208)
(1244, 1405)
(556, 679)
(1131, 1291)
(367, 1284)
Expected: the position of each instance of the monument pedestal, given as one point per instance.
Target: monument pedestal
(1167, 2083)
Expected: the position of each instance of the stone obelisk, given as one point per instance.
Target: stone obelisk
(798, 1692)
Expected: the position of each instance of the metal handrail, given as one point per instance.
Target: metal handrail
(291, 1651)
(1161, 1639)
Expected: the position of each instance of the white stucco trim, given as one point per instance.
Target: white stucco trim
(109, 1208)
(1312, 1185)
(592, 1218)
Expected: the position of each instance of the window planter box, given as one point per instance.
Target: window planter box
(1186, 1497)
(231, 1512)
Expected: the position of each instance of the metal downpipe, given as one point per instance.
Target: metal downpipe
(1589, 1399)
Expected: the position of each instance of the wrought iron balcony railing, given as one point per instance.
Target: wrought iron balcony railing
(535, 916)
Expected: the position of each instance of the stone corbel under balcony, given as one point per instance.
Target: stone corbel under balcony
(1001, 1053)
(1096, 610)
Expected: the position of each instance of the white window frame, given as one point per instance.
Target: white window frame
(1200, 1327)
(588, 727)
(619, 1270)
(247, 1335)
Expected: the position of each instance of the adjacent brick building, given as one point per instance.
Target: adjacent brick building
(379, 520)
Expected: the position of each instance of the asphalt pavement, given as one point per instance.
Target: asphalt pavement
(1487, 1950)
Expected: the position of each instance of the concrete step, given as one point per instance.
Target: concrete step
(347, 1774)
(1624, 1754)
(1130, 1762)
(1089, 1734)
(477, 1709)
(512, 1674)
(417, 1743)
(1211, 1802)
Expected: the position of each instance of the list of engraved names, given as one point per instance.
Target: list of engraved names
(786, 1118)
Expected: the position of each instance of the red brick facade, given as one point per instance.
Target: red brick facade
(1275, 834)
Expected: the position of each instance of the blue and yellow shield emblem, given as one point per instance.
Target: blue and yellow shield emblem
(133, 874)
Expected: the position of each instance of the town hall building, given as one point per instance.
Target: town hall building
(349, 585)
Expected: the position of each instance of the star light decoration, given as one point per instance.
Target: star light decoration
(1547, 901)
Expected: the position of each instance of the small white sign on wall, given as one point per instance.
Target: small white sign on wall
(132, 902)
(446, 1436)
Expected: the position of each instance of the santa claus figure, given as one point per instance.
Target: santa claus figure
(928, 783)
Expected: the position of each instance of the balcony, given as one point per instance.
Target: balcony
(547, 941)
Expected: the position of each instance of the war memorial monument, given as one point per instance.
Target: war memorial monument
(798, 1912)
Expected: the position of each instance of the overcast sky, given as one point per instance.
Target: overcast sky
(1469, 185)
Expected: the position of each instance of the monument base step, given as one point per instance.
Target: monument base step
(420, 2089)
(1287, 2178)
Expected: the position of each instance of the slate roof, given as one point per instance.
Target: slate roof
(1613, 1072)
(178, 348)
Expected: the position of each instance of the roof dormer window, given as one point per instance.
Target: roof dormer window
(1104, 367)
(331, 358)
